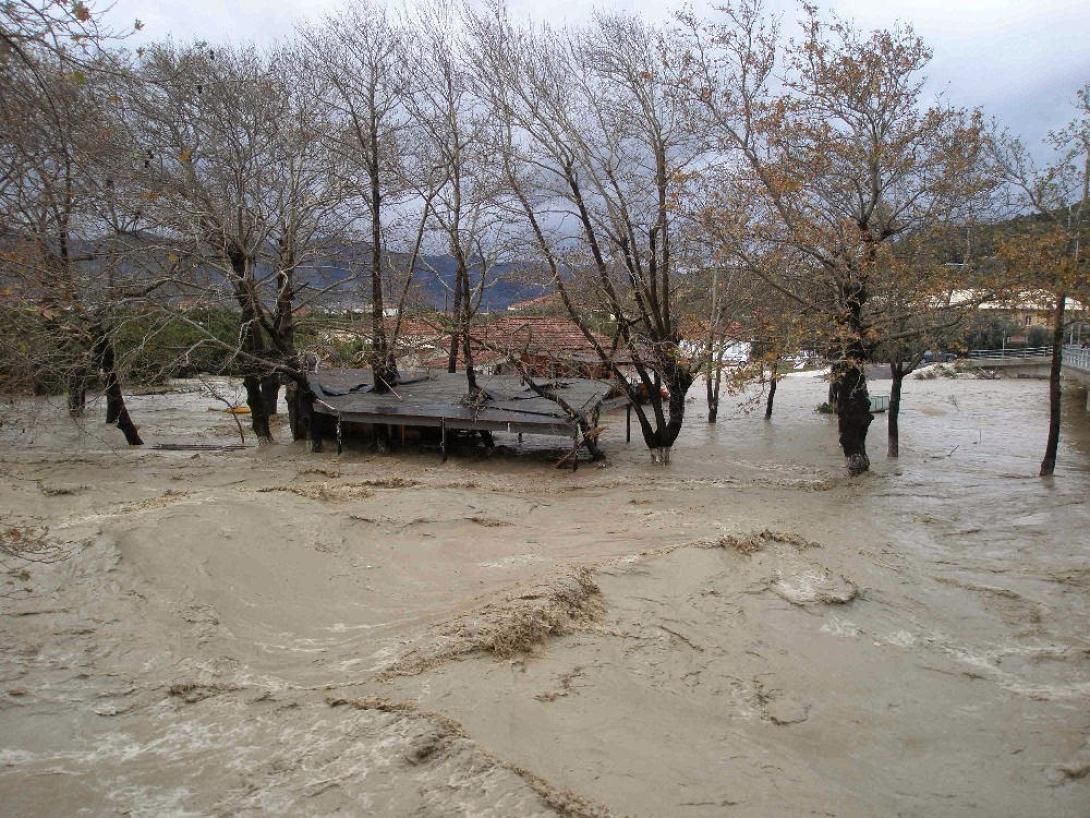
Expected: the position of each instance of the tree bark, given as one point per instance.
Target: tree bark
(464, 316)
(1055, 389)
(270, 393)
(383, 364)
(897, 372)
(77, 392)
(712, 384)
(660, 435)
(259, 418)
(283, 332)
(467, 348)
(772, 390)
(713, 399)
(452, 358)
(291, 394)
(850, 381)
(252, 342)
(116, 411)
(300, 409)
(853, 416)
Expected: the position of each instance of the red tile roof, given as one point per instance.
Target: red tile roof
(548, 301)
(552, 336)
(537, 337)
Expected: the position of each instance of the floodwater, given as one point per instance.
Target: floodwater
(274, 632)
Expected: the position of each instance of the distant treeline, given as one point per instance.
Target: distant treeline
(154, 346)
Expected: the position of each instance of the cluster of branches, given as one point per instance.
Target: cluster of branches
(806, 180)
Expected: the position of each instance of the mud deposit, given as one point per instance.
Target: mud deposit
(742, 633)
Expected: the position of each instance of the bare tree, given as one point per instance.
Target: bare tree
(360, 56)
(594, 156)
(1050, 246)
(56, 127)
(837, 161)
(450, 122)
(36, 32)
(234, 177)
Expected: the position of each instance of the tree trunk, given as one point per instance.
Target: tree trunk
(124, 422)
(291, 395)
(711, 385)
(383, 364)
(850, 381)
(77, 392)
(116, 411)
(259, 418)
(452, 358)
(300, 409)
(853, 416)
(384, 368)
(283, 334)
(270, 393)
(772, 390)
(897, 371)
(463, 323)
(668, 413)
(253, 344)
(1055, 392)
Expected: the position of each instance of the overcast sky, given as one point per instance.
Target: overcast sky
(1022, 60)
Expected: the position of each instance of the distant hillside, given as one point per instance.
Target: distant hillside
(342, 276)
(507, 283)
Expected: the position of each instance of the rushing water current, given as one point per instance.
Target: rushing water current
(206, 632)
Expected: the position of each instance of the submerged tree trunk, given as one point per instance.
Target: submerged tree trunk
(1055, 390)
(283, 328)
(251, 342)
(291, 395)
(712, 384)
(116, 411)
(77, 392)
(259, 418)
(667, 413)
(270, 393)
(850, 382)
(300, 409)
(775, 378)
(853, 416)
(897, 371)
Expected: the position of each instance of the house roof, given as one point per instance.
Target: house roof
(1028, 300)
(541, 302)
(535, 336)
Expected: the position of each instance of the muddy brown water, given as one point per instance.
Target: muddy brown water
(205, 633)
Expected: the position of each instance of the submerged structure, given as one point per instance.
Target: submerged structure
(437, 406)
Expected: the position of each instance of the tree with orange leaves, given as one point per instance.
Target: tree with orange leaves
(831, 161)
(1050, 249)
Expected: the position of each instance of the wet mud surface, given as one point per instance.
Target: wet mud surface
(744, 632)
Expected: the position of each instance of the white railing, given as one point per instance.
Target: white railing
(1028, 352)
(1077, 358)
